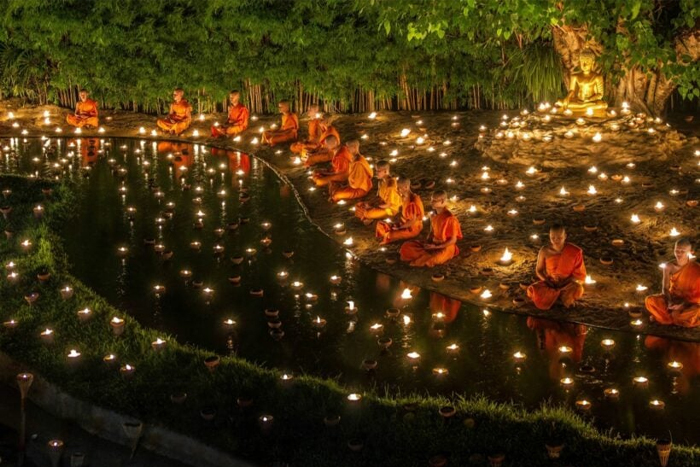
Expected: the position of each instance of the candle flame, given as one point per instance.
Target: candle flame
(507, 256)
(406, 294)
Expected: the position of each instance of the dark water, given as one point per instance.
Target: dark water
(155, 174)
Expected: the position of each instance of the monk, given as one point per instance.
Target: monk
(387, 201)
(560, 271)
(85, 112)
(315, 130)
(410, 221)
(340, 163)
(318, 154)
(237, 120)
(359, 178)
(679, 300)
(441, 244)
(179, 117)
(288, 130)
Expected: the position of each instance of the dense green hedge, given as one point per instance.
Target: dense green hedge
(396, 432)
(347, 52)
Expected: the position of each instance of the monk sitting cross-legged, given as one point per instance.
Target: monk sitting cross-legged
(237, 118)
(288, 130)
(179, 117)
(359, 177)
(410, 221)
(319, 153)
(85, 112)
(387, 202)
(679, 301)
(441, 245)
(315, 130)
(560, 269)
(340, 163)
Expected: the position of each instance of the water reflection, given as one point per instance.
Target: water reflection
(687, 354)
(560, 343)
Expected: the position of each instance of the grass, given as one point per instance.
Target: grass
(404, 431)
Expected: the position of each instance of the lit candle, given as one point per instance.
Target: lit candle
(158, 344)
(486, 294)
(674, 366)
(674, 232)
(657, 404)
(566, 382)
(607, 344)
(565, 349)
(507, 257)
(354, 397)
(519, 356)
(413, 356)
(406, 294)
(659, 206)
(319, 322)
(635, 219)
(589, 280)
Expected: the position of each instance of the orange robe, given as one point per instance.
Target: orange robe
(89, 150)
(359, 181)
(442, 304)
(288, 131)
(411, 210)
(684, 286)
(312, 140)
(340, 168)
(236, 123)
(444, 225)
(178, 120)
(319, 153)
(568, 263)
(183, 156)
(388, 194)
(551, 335)
(85, 114)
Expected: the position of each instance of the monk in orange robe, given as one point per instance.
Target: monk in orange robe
(89, 150)
(410, 220)
(340, 163)
(315, 155)
(313, 139)
(441, 245)
(387, 202)
(237, 120)
(85, 112)
(359, 179)
(179, 117)
(560, 269)
(679, 301)
(288, 130)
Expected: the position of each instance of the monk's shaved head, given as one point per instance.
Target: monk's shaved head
(684, 242)
(283, 105)
(559, 228)
(353, 143)
(179, 91)
(84, 90)
(383, 164)
(404, 182)
(235, 91)
(331, 140)
(440, 194)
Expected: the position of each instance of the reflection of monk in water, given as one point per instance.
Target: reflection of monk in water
(183, 156)
(551, 335)
(687, 353)
(89, 150)
(445, 305)
(236, 161)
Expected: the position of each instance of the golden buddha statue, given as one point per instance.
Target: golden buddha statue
(585, 88)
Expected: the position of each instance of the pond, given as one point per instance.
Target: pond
(186, 214)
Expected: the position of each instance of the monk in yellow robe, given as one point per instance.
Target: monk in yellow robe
(237, 120)
(359, 178)
(679, 300)
(313, 139)
(179, 117)
(317, 154)
(410, 220)
(340, 163)
(85, 112)
(388, 201)
(288, 131)
(441, 245)
(560, 271)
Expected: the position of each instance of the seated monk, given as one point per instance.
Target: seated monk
(359, 177)
(387, 202)
(560, 269)
(85, 112)
(410, 220)
(319, 154)
(441, 244)
(179, 117)
(313, 139)
(288, 130)
(237, 118)
(679, 300)
(340, 163)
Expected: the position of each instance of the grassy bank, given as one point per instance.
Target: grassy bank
(394, 432)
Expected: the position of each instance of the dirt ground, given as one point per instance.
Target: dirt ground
(660, 161)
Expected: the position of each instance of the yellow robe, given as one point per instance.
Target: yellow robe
(388, 194)
(359, 181)
(411, 210)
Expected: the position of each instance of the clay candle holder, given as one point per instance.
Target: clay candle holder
(158, 344)
(117, 325)
(47, 336)
(212, 362)
(319, 323)
(66, 292)
(127, 371)
(674, 366)
(567, 382)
